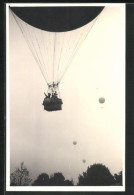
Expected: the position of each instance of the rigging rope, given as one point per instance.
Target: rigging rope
(27, 41)
(76, 48)
(53, 51)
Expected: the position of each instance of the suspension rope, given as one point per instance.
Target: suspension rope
(66, 52)
(76, 48)
(50, 55)
(45, 52)
(41, 56)
(59, 48)
(35, 50)
(46, 34)
(54, 55)
(19, 23)
(62, 46)
(74, 45)
(40, 42)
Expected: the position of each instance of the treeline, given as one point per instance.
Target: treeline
(95, 175)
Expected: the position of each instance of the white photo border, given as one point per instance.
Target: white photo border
(55, 188)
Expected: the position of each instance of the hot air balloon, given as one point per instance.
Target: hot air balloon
(74, 143)
(54, 35)
(84, 161)
(101, 100)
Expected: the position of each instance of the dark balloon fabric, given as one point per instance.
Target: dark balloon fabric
(57, 19)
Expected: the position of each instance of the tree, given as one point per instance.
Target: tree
(68, 183)
(118, 178)
(96, 175)
(20, 177)
(42, 180)
(56, 179)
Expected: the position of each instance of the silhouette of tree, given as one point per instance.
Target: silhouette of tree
(118, 178)
(96, 175)
(68, 183)
(56, 179)
(42, 180)
(20, 177)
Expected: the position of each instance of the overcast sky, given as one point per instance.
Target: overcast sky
(44, 140)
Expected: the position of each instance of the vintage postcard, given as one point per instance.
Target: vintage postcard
(65, 97)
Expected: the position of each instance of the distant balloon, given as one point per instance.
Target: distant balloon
(101, 100)
(84, 161)
(74, 142)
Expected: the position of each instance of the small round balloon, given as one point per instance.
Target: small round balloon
(101, 100)
(83, 161)
(74, 142)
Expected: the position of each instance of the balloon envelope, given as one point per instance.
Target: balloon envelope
(74, 142)
(83, 161)
(57, 19)
(101, 100)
